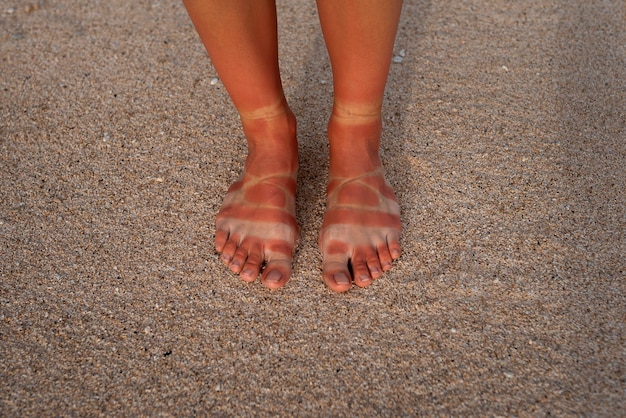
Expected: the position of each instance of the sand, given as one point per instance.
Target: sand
(505, 142)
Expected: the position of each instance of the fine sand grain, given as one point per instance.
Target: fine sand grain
(505, 142)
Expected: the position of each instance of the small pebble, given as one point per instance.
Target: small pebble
(397, 58)
(214, 81)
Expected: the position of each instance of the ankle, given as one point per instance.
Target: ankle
(354, 144)
(275, 116)
(272, 142)
(356, 112)
(269, 126)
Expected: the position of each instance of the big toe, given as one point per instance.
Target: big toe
(276, 273)
(336, 276)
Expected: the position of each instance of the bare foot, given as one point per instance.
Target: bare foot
(256, 227)
(360, 236)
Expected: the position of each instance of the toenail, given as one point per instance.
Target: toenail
(375, 270)
(365, 278)
(226, 258)
(395, 253)
(274, 276)
(341, 278)
(247, 272)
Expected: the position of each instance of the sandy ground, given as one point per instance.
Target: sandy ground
(505, 141)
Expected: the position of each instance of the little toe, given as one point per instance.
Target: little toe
(384, 256)
(221, 237)
(228, 253)
(393, 243)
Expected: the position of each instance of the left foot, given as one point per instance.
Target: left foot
(360, 236)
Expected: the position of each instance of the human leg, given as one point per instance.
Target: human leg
(361, 228)
(256, 225)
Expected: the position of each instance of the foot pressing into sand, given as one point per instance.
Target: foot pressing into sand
(360, 236)
(256, 227)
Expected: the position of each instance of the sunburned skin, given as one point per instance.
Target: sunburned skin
(256, 228)
(361, 230)
(257, 225)
(360, 236)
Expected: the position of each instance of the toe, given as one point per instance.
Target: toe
(373, 264)
(221, 237)
(360, 270)
(384, 256)
(276, 273)
(336, 275)
(252, 267)
(228, 253)
(239, 259)
(393, 243)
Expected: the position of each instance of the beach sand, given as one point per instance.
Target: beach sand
(504, 140)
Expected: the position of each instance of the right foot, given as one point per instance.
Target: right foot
(256, 227)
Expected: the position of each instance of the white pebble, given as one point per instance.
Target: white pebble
(215, 81)
(402, 53)
(397, 58)
(505, 68)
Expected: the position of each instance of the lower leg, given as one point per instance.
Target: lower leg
(362, 227)
(256, 224)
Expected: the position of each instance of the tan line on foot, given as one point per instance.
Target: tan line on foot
(361, 229)
(257, 226)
